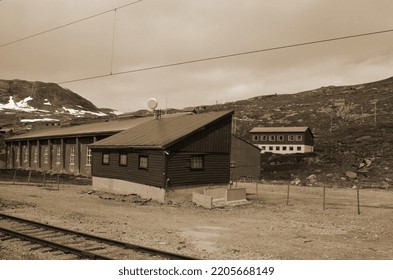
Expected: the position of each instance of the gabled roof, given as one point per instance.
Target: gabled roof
(98, 128)
(161, 133)
(279, 129)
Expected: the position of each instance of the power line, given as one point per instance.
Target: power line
(68, 24)
(230, 55)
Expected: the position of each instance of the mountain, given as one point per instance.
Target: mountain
(24, 101)
(351, 124)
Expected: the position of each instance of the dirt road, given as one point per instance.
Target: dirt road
(266, 228)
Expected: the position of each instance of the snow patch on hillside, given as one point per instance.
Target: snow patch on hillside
(19, 106)
(82, 112)
(39, 120)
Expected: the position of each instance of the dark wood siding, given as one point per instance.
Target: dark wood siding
(154, 175)
(216, 170)
(215, 138)
(245, 159)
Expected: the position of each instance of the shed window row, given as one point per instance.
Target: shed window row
(143, 160)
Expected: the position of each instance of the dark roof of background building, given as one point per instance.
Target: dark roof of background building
(108, 127)
(161, 133)
(279, 129)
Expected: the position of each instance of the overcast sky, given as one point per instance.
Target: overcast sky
(159, 32)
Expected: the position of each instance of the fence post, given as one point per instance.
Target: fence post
(358, 199)
(13, 181)
(288, 194)
(28, 180)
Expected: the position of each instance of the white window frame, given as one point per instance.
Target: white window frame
(72, 155)
(88, 157)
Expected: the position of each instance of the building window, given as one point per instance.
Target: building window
(284, 148)
(143, 162)
(26, 153)
(72, 155)
(270, 148)
(277, 148)
(35, 154)
(264, 137)
(123, 160)
(272, 137)
(263, 148)
(280, 137)
(255, 138)
(197, 162)
(58, 155)
(291, 137)
(291, 148)
(17, 155)
(46, 154)
(88, 157)
(299, 138)
(105, 158)
(299, 149)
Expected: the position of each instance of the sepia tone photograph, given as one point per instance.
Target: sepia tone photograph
(196, 130)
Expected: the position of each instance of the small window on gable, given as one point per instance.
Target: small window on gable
(197, 162)
(105, 158)
(143, 162)
(123, 160)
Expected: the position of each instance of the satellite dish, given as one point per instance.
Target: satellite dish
(152, 103)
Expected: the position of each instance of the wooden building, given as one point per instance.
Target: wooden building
(61, 149)
(166, 152)
(245, 160)
(283, 140)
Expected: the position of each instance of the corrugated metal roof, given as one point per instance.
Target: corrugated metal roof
(108, 127)
(279, 129)
(161, 133)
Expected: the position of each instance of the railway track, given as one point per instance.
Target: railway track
(59, 240)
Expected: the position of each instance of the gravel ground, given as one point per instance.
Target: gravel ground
(264, 228)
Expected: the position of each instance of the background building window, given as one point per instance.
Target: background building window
(299, 138)
(197, 162)
(72, 155)
(35, 154)
(105, 158)
(264, 137)
(291, 138)
(123, 160)
(143, 162)
(280, 137)
(88, 157)
(299, 148)
(46, 154)
(58, 155)
(26, 153)
(272, 137)
(255, 138)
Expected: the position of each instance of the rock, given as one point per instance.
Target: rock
(351, 175)
(296, 182)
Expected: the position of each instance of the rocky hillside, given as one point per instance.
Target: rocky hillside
(23, 101)
(351, 124)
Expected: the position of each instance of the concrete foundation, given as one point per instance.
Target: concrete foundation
(202, 200)
(235, 194)
(219, 197)
(215, 193)
(125, 187)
